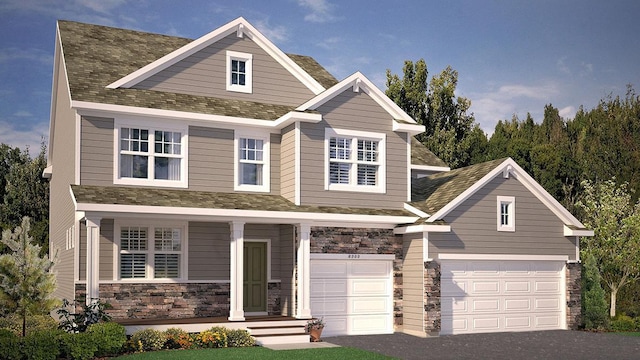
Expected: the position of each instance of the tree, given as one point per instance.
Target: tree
(594, 302)
(26, 285)
(608, 210)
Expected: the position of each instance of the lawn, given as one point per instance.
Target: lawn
(258, 353)
(629, 333)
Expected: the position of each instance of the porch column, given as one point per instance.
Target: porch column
(303, 304)
(236, 311)
(93, 259)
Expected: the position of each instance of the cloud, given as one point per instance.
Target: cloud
(330, 43)
(562, 66)
(22, 114)
(23, 138)
(273, 33)
(90, 11)
(321, 10)
(17, 54)
(567, 112)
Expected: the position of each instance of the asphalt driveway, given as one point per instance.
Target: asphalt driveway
(557, 344)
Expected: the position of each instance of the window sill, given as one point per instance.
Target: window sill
(507, 229)
(360, 189)
(151, 183)
(252, 188)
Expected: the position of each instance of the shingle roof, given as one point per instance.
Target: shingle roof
(95, 56)
(433, 192)
(88, 194)
(420, 155)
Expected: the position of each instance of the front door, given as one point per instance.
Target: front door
(255, 277)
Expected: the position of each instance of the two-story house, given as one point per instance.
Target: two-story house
(222, 178)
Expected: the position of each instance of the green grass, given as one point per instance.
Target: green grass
(625, 333)
(257, 353)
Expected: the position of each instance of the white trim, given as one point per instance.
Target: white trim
(412, 229)
(411, 129)
(366, 86)
(248, 67)
(505, 257)
(581, 232)
(409, 178)
(77, 146)
(511, 202)
(303, 252)
(266, 161)
(159, 281)
(563, 295)
(234, 26)
(319, 256)
(354, 135)
(297, 153)
(430, 168)
(236, 270)
(415, 210)
(425, 247)
(76, 250)
(525, 179)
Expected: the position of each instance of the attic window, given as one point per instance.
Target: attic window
(239, 72)
(506, 212)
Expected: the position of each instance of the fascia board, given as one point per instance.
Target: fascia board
(412, 229)
(430, 168)
(413, 129)
(415, 210)
(582, 232)
(506, 257)
(293, 116)
(210, 38)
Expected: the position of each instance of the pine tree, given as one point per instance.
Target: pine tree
(26, 284)
(594, 302)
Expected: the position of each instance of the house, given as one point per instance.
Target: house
(222, 178)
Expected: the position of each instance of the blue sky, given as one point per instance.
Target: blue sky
(512, 56)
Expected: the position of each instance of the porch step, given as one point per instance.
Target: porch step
(281, 339)
(286, 333)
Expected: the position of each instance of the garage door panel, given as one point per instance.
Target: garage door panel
(485, 287)
(547, 321)
(454, 288)
(547, 286)
(516, 287)
(335, 325)
(547, 304)
(328, 269)
(363, 268)
(329, 287)
(329, 306)
(368, 305)
(486, 305)
(486, 324)
(513, 323)
(449, 305)
(517, 304)
(371, 324)
(369, 287)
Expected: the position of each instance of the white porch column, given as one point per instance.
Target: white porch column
(303, 304)
(236, 311)
(93, 259)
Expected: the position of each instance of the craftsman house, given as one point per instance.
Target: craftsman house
(221, 179)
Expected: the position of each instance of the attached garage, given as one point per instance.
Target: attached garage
(353, 293)
(513, 294)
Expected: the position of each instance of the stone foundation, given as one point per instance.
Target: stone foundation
(574, 295)
(432, 299)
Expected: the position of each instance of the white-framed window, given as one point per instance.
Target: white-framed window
(239, 72)
(506, 213)
(355, 161)
(149, 251)
(150, 154)
(252, 170)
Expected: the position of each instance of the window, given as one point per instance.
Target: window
(148, 252)
(150, 156)
(355, 161)
(239, 72)
(252, 162)
(506, 213)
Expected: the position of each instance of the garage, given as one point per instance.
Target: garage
(480, 296)
(353, 293)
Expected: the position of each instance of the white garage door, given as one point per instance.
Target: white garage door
(354, 293)
(493, 296)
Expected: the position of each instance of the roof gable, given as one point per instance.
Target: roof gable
(439, 194)
(241, 28)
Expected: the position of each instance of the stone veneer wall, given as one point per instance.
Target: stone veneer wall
(171, 300)
(574, 295)
(331, 240)
(432, 298)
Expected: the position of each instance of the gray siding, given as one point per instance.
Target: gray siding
(287, 163)
(210, 159)
(209, 251)
(106, 249)
(61, 208)
(203, 74)
(352, 111)
(287, 269)
(96, 151)
(412, 284)
(473, 225)
(274, 164)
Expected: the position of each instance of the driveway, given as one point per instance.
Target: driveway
(558, 344)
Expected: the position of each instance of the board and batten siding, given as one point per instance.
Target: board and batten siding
(352, 111)
(413, 284)
(288, 163)
(538, 231)
(209, 257)
(61, 207)
(96, 151)
(204, 74)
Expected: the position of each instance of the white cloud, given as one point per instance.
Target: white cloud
(567, 112)
(273, 33)
(22, 113)
(16, 54)
(321, 10)
(330, 43)
(562, 66)
(23, 138)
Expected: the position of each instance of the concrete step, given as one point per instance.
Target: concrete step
(275, 330)
(274, 339)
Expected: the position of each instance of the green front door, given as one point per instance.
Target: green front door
(255, 277)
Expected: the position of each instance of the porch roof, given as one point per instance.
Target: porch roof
(159, 197)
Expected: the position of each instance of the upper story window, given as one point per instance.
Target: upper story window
(150, 252)
(252, 162)
(506, 210)
(355, 161)
(239, 72)
(149, 155)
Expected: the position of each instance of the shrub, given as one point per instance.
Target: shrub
(13, 322)
(215, 337)
(178, 339)
(240, 338)
(80, 346)
(80, 321)
(10, 345)
(42, 345)
(623, 323)
(109, 338)
(594, 301)
(149, 339)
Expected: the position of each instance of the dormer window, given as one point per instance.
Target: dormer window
(506, 206)
(239, 72)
